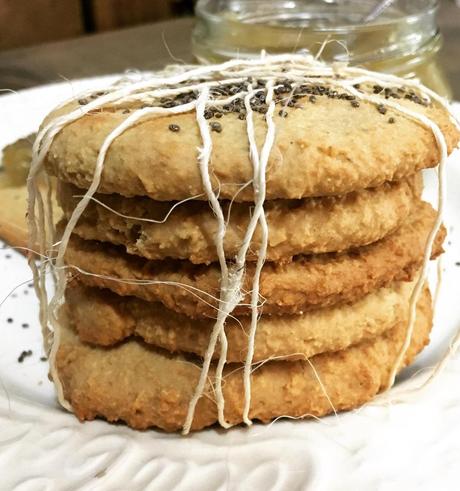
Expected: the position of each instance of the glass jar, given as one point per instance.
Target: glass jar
(403, 40)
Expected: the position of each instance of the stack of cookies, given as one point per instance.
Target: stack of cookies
(347, 232)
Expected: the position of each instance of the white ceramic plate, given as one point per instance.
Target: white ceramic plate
(407, 445)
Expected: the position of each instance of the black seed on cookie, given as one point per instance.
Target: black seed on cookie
(412, 96)
(174, 128)
(217, 127)
(261, 97)
(381, 109)
(354, 103)
(312, 99)
(24, 325)
(392, 120)
(83, 102)
(43, 358)
(9, 320)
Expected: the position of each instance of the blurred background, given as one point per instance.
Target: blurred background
(28, 22)
(42, 41)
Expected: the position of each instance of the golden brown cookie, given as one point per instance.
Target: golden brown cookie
(13, 222)
(14, 168)
(308, 226)
(103, 318)
(145, 387)
(306, 283)
(13, 227)
(324, 148)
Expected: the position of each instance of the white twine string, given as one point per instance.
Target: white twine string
(259, 184)
(226, 305)
(231, 287)
(141, 219)
(302, 68)
(442, 146)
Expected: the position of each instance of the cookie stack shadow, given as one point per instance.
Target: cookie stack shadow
(334, 291)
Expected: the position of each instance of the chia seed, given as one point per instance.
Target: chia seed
(174, 128)
(24, 355)
(217, 127)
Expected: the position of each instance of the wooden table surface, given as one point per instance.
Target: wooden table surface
(152, 46)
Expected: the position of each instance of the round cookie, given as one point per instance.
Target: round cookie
(146, 388)
(306, 283)
(308, 226)
(328, 147)
(103, 318)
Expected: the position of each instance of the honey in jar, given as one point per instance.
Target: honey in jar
(404, 40)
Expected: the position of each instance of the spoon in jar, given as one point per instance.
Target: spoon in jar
(377, 10)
